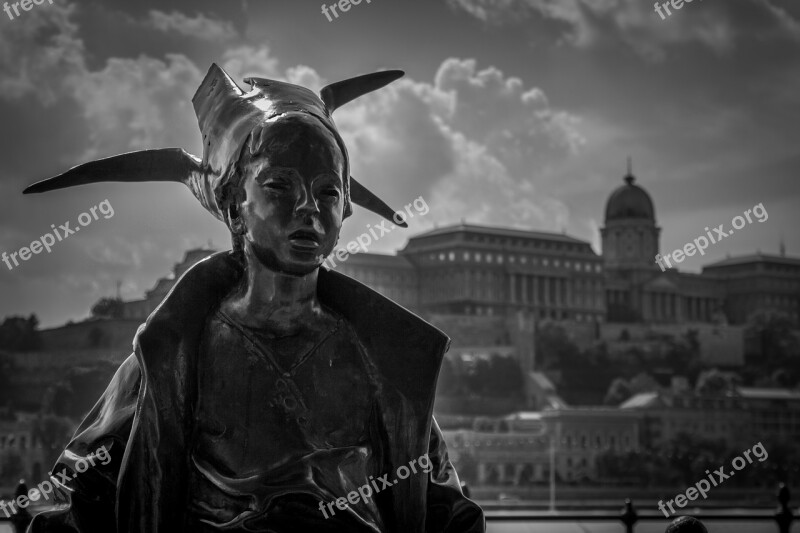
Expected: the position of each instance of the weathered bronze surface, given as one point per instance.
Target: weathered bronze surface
(265, 387)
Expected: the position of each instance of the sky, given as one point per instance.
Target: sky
(517, 113)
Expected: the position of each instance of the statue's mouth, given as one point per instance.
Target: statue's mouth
(305, 239)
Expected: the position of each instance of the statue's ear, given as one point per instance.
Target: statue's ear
(229, 197)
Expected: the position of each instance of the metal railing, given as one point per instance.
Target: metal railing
(628, 517)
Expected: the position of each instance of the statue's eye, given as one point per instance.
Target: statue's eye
(277, 184)
(331, 193)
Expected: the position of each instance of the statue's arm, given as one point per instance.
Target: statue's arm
(449, 511)
(98, 446)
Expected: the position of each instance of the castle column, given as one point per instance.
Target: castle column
(556, 292)
(548, 291)
(570, 292)
(524, 288)
(513, 287)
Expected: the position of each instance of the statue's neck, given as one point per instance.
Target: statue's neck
(272, 300)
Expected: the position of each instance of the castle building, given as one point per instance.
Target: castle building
(478, 270)
(468, 270)
(636, 288)
(733, 417)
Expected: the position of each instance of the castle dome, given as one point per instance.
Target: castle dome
(630, 201)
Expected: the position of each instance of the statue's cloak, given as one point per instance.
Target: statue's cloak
(145, 416)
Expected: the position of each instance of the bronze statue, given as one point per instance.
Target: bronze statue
(265, 391)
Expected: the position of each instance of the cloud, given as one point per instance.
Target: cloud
(589, 23)
(470, 140)
(199, 26)
(134, 104)
(243, 61)
(38, 51)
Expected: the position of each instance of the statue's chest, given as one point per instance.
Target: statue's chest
(254, 402)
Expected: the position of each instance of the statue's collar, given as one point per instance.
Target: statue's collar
(405, 347)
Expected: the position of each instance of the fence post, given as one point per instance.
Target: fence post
(629, 516)
(783, 516)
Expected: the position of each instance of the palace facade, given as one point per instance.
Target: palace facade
(474, 270)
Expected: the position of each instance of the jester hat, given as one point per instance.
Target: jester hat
(227, 116)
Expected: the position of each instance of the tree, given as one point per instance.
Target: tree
(75, 394)
(772, 344)
(713, 382)
(108, 308)
(54, 433)
(20, 334)
(504, 377)
(621, 389)
(554, 348)
(448, 380)
(98, 337)
(8, 369)
(686, 454)
(618, 392)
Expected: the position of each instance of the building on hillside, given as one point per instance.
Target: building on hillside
(141, 309)
(735, 417)
(515, 450)
(637, 290)
(391, 275)
(488, 287)
(763, 282)
(478, 270)
(20, 449)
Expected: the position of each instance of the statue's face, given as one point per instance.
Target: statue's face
(293, 201)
